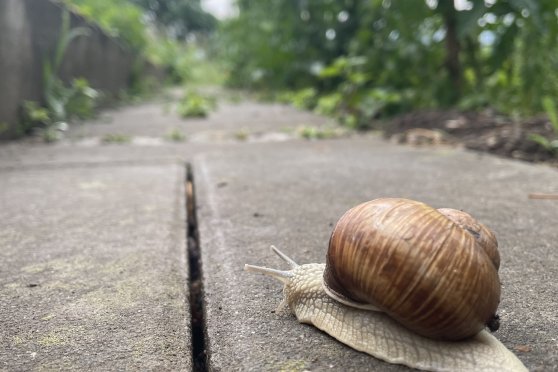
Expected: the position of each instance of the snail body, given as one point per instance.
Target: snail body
(315, 293)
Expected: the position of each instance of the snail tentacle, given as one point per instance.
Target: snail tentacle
(281, 275)
(284, 257)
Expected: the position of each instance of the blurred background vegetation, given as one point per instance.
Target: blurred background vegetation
(361, 59)
(356, 60)
(171, 34)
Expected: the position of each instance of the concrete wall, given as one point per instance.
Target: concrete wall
(29, 31)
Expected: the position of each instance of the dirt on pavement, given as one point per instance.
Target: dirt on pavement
(484, 131)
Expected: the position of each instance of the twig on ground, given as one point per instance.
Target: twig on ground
(536, 195)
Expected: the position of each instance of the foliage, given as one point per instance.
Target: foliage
(303, 99)
(317, 133)
(115, 138)
(158, 30)
(68, 102)
(368, 59)
(184, 63)
(119, 18)
(35, 117)
(195, 105)
(176, 135)
(63, 102)
(549, 144)
(551, 112)
(179, 18)
(32, 116)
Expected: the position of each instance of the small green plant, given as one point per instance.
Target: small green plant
(81, 100)
(552, 112)
(304, 99)
(195, 105)
(3, 127)
(316, 133)
(176, 135)
(241, 135)
(51, 134)
(56, 94)
(549, 144)
(115, 138)
(33, 116)
(35, 113)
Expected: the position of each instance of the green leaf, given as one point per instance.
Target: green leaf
(541, 140)
(550, 109)
(467, 20)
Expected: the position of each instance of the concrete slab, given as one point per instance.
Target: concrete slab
(93, 268)
(290, 194)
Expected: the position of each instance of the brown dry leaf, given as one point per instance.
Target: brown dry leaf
(523, 348)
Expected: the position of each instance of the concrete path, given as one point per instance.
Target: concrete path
(94, 271)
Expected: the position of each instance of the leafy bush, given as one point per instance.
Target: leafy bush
(119, 18)
(304, 99)
(385, 57)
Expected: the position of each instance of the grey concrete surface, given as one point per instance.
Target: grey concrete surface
(92, 238)
(93, 268)
(290, 195)
(250, 120)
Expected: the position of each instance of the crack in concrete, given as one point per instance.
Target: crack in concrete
(198, 327)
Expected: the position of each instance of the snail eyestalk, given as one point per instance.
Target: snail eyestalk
(284, 257)
(281, 275)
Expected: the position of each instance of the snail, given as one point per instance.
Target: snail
(407, 284)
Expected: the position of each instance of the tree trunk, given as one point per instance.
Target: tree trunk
(453, 49)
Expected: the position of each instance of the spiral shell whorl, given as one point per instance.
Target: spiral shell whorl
(417, 265)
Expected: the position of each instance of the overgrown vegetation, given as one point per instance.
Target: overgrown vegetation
(62, 102)
(358, 60)
(157, 29)
(119, 18)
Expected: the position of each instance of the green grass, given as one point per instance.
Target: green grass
(116, 138)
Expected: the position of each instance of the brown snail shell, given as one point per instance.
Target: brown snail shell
(434, 271)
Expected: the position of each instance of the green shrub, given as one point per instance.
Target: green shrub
(549, 144)
(119, 18)
(195, 105)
